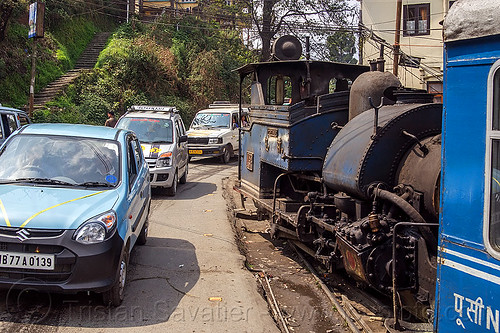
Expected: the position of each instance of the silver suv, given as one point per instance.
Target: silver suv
(163, 139)
(10, 120)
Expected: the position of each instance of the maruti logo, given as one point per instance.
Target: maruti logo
(22, 234)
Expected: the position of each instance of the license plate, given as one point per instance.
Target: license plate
(195, 151)
(27, 260)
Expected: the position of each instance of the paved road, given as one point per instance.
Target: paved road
(189, 277)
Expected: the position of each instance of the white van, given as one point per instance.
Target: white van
(162, 135)
(214, 131)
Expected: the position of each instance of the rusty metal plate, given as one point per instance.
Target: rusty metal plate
(249, 161)
(272, 132)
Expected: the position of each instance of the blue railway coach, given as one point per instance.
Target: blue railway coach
(468, 279)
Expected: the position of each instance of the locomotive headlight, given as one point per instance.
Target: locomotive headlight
(164, 160)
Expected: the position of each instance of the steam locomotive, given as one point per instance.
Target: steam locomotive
(348, 164)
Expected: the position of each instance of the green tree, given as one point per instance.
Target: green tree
(8, 9)
(341, 46)
(296, 17)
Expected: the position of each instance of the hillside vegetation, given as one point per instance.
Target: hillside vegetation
(69, 26)
(57, 53)
(184, 62)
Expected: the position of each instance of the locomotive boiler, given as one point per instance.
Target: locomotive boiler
(346, 162)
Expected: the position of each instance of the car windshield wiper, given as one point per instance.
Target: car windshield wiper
(8, 181)
(161, 141)
(44, 181)
(94, 184)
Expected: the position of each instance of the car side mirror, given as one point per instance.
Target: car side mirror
(183, 138)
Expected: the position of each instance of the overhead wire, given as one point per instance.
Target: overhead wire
(380, 41)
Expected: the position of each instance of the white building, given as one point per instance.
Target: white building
(421, 42)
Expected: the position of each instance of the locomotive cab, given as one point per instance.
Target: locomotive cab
(297, 107)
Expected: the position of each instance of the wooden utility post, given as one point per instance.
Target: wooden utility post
(397, 37)
(32, 82)
(36, 30)
(360, 31)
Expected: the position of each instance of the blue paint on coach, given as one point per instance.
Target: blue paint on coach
(468, 280)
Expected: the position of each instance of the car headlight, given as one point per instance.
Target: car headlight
(97, 229)
(164, 160)
(214, 140)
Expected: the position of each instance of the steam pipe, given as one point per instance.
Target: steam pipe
(410, 211)
(401, 203)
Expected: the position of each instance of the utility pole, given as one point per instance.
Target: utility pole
(32, 81)
(360, 29)
(128, 9)
(36, 30)
(399, 6)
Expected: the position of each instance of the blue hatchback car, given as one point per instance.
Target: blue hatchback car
(74, 200)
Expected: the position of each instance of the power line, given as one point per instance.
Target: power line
(380, 41)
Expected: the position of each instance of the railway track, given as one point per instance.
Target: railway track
(363, 310)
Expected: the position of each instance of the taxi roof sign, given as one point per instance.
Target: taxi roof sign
(153, 108)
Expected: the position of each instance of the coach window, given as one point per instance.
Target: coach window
(492, 231)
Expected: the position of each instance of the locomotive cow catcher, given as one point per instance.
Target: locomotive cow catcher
(348, 164)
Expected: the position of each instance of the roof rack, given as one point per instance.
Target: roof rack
(153, 108)
(222, 104)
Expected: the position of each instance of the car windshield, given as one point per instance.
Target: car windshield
(149, 129)
(211, 120)
(60, 160)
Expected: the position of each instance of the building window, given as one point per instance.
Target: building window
(492, 196)
(416, 20)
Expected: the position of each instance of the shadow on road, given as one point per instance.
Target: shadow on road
(183, 193)
(160, 275)
(212, 161)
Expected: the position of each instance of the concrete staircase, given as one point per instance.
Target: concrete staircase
(86, 61)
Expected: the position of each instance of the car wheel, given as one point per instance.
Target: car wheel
(183, 179)
(114, 296)
(143, 236)
(226, 156)
(173, 189)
